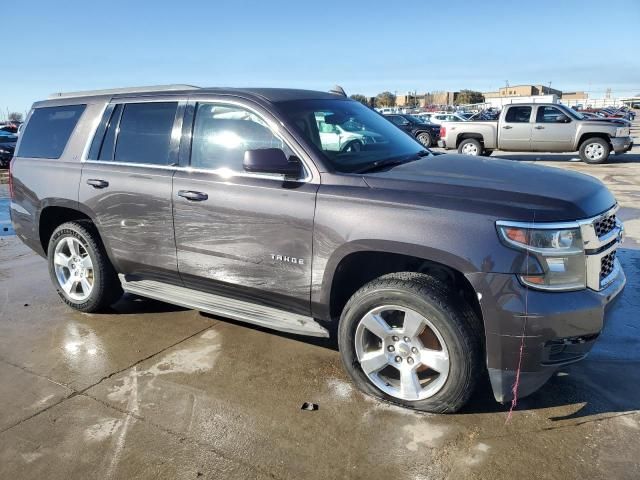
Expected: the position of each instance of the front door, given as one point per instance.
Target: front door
(514, 131)
(553, 130)
(247, 236)
(126, 184)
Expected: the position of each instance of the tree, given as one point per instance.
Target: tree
(469, 96)
(386, 99)
(360, 98)
(15, 117)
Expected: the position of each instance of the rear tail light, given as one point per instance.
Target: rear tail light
(443, 131)
(11, 178)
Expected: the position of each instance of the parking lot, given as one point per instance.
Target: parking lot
(151, 390)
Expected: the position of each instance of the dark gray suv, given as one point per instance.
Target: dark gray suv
(430, 269)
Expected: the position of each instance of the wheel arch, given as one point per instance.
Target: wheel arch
(351, 268)
(469, 135)
(586, 136)
(51, 217)
(55, 212)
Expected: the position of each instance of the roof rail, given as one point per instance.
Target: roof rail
(114, 91)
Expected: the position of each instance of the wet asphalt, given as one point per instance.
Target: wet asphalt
(149, 390)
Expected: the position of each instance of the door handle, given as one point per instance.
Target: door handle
(539, 127)
(193, 196)
(507, 127)
(96, 183)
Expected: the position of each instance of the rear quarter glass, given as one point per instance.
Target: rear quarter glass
(48, 131)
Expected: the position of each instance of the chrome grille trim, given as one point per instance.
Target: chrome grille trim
(602, 266)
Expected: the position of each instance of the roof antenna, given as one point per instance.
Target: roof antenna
(338, 90)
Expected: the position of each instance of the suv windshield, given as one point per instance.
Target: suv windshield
(330, 125)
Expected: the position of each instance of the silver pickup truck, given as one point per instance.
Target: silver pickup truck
(539, 127)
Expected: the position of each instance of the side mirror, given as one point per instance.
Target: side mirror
(271, 160)
(563, 119)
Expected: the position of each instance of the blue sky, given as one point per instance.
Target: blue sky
(365, 46)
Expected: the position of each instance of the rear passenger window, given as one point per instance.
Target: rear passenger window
(48, 131)
(144, 133)
(518, 115)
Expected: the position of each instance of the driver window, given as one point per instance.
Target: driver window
(551, 115)
(222, 133)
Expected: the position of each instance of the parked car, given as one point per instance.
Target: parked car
(616, 113)
(349, 136)
(424, 265)
(7, 147)
(439, 118)
(539, 127)
(425, 132)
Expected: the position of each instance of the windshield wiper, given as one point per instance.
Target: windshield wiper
(392, 162)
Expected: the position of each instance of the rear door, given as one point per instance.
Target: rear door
(553, 130)
(126, 183)
(242, 235)
(514, 132)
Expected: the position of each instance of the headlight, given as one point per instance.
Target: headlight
(559, 251)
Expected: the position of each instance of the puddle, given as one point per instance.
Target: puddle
(477, 454)
(195, 359)
(6, 229)
(423, 435)
(102, 430)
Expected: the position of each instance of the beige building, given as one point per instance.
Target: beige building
(425, 99)
(522, 91)
(575, 96)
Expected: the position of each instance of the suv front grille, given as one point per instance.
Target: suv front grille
(606, 265)
(605, 225)
(601, 236)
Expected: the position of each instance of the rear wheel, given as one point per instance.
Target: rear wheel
(407, 339)
(80, 269)
(470, 146)
(594, 150)
(425, 139)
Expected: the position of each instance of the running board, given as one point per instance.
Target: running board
(268, 317)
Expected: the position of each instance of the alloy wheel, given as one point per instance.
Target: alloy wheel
(594, 151)
(73, 268)
(470, 149)
(402, 353)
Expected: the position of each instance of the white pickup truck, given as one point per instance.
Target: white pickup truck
(539, 127)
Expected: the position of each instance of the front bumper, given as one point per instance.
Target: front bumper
(442, 143)
(554, 329)
(621, 144)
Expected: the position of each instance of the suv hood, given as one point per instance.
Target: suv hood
(505, 189)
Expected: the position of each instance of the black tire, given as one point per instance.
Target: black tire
(587, 157)
(473, 143)
(425, 139)
(454, 319)
(106, 288)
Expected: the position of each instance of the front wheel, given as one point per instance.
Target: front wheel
(406, 339)
(470, 146)
(425, 139)
(595, 150)
(80, 269)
